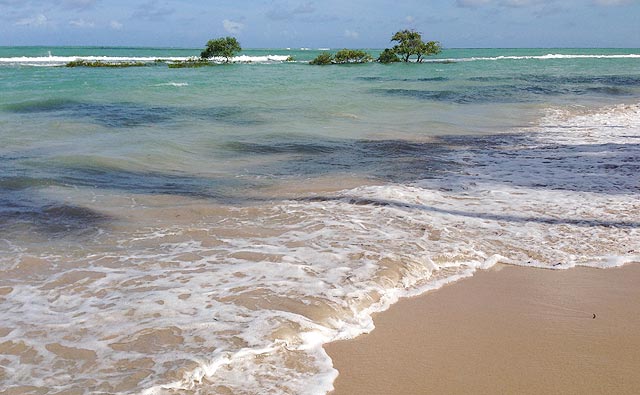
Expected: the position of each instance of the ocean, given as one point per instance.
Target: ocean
(206, 230)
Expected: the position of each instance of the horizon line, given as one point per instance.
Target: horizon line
(288, 48)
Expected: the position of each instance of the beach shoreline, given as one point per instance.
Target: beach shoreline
(505, 330)
(207, 230)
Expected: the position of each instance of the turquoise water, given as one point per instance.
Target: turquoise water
(207, 230)
(202, 117)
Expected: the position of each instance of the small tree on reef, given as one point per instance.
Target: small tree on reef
(388, 56)
(410, 43)
(352, 56)
(322, 59)
(343, 56)
(224, 47)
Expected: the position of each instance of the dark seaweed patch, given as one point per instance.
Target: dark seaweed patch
(305, 148)
(38, 106)
(22, 182)
(420, 79)
(394, 148)
(615, 80)
(384, 159)
(116, 115)
(232, 115)
(104, 177)
(49, 218)
(480, 95)
(609, 90)
(507, 93)
(427, 79)
(121, 115)
(125, 115)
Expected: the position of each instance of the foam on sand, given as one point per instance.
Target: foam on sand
(242, 299)
(371, 245)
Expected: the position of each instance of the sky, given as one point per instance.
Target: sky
(321, 23)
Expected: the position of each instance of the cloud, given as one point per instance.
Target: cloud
(79, 4)
(34, 21)
(232, 27)
(304, 8)
(472, 3)
(153, 11)
(609, 3)
(81, 23)
(508, 3)
(524, 3)
(49, 4)
(351, 34)
(115, 25)
(11, 3)
(283, 12)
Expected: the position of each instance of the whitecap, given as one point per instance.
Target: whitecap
(538, 57)
(176, 84)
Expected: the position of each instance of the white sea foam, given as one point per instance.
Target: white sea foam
(243, 299)
(62, 60)
(539, 57)
(176, 84)
(260, 59)
(438, 231)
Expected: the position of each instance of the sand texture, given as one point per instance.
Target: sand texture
(509, 331)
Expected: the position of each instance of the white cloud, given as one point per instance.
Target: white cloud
(232, 26)
(153, 10)
(79, 4)
(305, 8)
(509, 3)
(351, 34)
(36, 21)
(612, 2)
(81, 23)
(523, 3)
(281, 11)
(115, 25)
(472, 3)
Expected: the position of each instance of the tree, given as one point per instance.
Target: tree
(322, 59)
(388, 56)
(352, 56)
(343, 56)
(224, 47)
(410, 43)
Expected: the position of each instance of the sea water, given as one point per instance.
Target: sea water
(207, 230)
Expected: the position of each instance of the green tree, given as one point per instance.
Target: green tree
(224, 47)
(388, 56)
(322, 59)
(352, 56)
(410, 43)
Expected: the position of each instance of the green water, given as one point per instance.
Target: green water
(182, 119)
(170, 222)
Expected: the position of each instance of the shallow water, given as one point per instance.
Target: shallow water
(207, 230)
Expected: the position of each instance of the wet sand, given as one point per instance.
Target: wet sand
(508, 330)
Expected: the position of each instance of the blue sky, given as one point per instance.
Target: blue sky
(321, 23)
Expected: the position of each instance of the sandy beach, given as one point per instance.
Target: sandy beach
(507, 330)
(170, 225)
